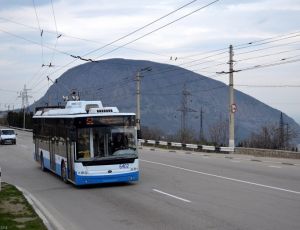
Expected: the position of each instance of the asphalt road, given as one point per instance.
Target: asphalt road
(176, 191)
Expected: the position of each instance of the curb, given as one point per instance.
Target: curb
(49, 221)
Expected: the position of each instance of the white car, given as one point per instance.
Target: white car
(7, 136)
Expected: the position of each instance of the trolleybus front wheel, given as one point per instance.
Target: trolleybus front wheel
(42, 162)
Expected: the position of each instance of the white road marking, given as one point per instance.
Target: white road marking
(170, 195)
(235, 161)
(274, 166)
(272, 162)
(222, 177)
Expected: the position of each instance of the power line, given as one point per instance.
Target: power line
(263, 43)
(179, 68)
(41, 31)
(220, 53)
(50, 65)
(57, 35)
(54, 18)
(159, 28)
(269, 65)
(267, 55)
(204, 68)
(61, 35)
(270, 47)
(37, 73)
(34, 42)
(244, 45)
(282, 59)
(78, 57)
(270, 38)
(122, 81)
(238, 45)
(184, 63)
(141, 28)
(225, 52)
(128, 80)
(31, 41)
(206, 57)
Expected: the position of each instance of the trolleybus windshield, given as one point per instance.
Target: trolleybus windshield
(97, 143)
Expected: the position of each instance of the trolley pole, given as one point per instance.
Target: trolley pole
(232, 106)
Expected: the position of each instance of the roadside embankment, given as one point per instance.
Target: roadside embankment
(16, 212)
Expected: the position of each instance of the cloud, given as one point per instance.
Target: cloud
(10, 4)
(266, 5)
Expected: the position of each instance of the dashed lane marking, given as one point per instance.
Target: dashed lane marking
(170, 195)
(274, 166)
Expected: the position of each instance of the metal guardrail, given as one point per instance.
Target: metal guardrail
(187, 146)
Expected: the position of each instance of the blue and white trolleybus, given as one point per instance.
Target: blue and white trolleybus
(86, 143)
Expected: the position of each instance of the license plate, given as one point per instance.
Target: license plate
(124, 166)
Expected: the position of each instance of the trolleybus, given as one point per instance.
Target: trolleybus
(86, 143)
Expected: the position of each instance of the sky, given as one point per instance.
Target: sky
(264, 33)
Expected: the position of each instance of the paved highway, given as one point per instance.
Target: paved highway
(176, 191)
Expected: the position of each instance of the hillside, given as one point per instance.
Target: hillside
(112, 82)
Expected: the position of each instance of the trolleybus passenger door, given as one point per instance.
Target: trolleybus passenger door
(52, 155)
(36, 149)
(70, 159)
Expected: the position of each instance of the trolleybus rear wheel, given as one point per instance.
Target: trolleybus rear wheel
(42, 162)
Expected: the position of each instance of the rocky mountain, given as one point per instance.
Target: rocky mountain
(113, 82)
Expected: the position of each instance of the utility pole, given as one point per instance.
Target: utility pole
(138, 100)
(184, 113)
(232, 106)
(201, 126)
(281, 132)
(287, 140)
(138, 104)
(24, 95)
